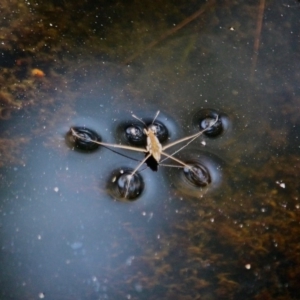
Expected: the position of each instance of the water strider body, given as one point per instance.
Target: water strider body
(153, 145)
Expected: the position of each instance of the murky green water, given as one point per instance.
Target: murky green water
(62, 234)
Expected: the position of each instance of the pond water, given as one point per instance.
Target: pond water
(64, 231)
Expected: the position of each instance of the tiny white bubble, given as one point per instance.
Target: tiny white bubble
(281, 184)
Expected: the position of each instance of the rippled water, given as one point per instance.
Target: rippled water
(64, 233)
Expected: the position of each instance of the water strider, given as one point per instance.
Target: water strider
(153, 148)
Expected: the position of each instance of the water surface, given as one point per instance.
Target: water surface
(63, 236)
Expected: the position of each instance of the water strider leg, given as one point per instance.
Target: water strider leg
(134, 171)
(191, 137)
(109, 145)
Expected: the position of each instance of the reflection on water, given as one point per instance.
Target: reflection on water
(63, 233)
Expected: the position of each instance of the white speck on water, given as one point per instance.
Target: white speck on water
(56, 189)
(129, 260)
(76, 245)
(96, 284)
(138, 287)
(281, 184)
(150, 216)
